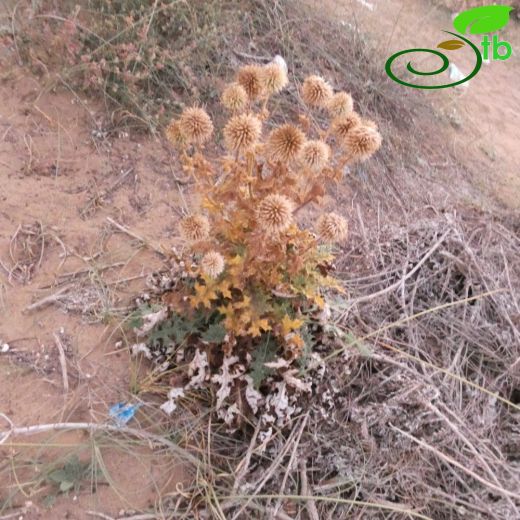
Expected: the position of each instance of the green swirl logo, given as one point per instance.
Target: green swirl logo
(479, 20)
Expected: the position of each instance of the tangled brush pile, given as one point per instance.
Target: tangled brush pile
(248, 296)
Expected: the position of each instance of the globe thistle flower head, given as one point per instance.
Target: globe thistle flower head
(194, 228)
(274, 78)
(212, 264)
(362, 142)
(242, 132)
(284, 143)
(234, 97)
(275, 213)
(332, 227)
(340, 104)
(195, 125)
(174, 135)
(250, 77)
(341, 126)
(315, 155)
(369, 123)
(316, 92)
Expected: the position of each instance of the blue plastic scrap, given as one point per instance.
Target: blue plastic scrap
(122, 412)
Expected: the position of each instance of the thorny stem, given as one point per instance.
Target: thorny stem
(250, 166)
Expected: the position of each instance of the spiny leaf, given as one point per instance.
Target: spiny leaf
(289, 325)
(225, 288)
(451, 45)
(176, 328)
(215, 334)
(485, 19)
(204, 295)
(297, 341)
(257, 326)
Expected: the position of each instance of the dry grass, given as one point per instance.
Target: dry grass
(27, 248)
(419, 414)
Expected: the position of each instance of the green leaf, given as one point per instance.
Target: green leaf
(175, 329)
(66, 485)
(74, 468)
(215, 334)
(59, 475)
(135, 320)
(485, 19)
(451, 45)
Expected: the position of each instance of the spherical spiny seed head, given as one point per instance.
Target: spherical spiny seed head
(362, 142)
(369, 123)
(174, 134)
(284, 143)
(332, 227)
(212, 264)
(242, 132)
(274, 78)
(250, 77)
(234, 97)
(315, 155)
(340, 104)
(194, 227)
(195, 125)
(275, 213)
(316, 92)
(341, 126)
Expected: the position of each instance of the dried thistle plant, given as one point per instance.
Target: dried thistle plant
(235, 97)
(254, 270)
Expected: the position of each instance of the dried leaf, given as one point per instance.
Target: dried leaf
(150, 321)
(225, 378)
(257, 326)
(291, 380)
(197, 370)
(171, 404)
(203, 294)
(288, 325)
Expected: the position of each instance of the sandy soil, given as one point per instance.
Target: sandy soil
(61, 177)
(60, 180)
